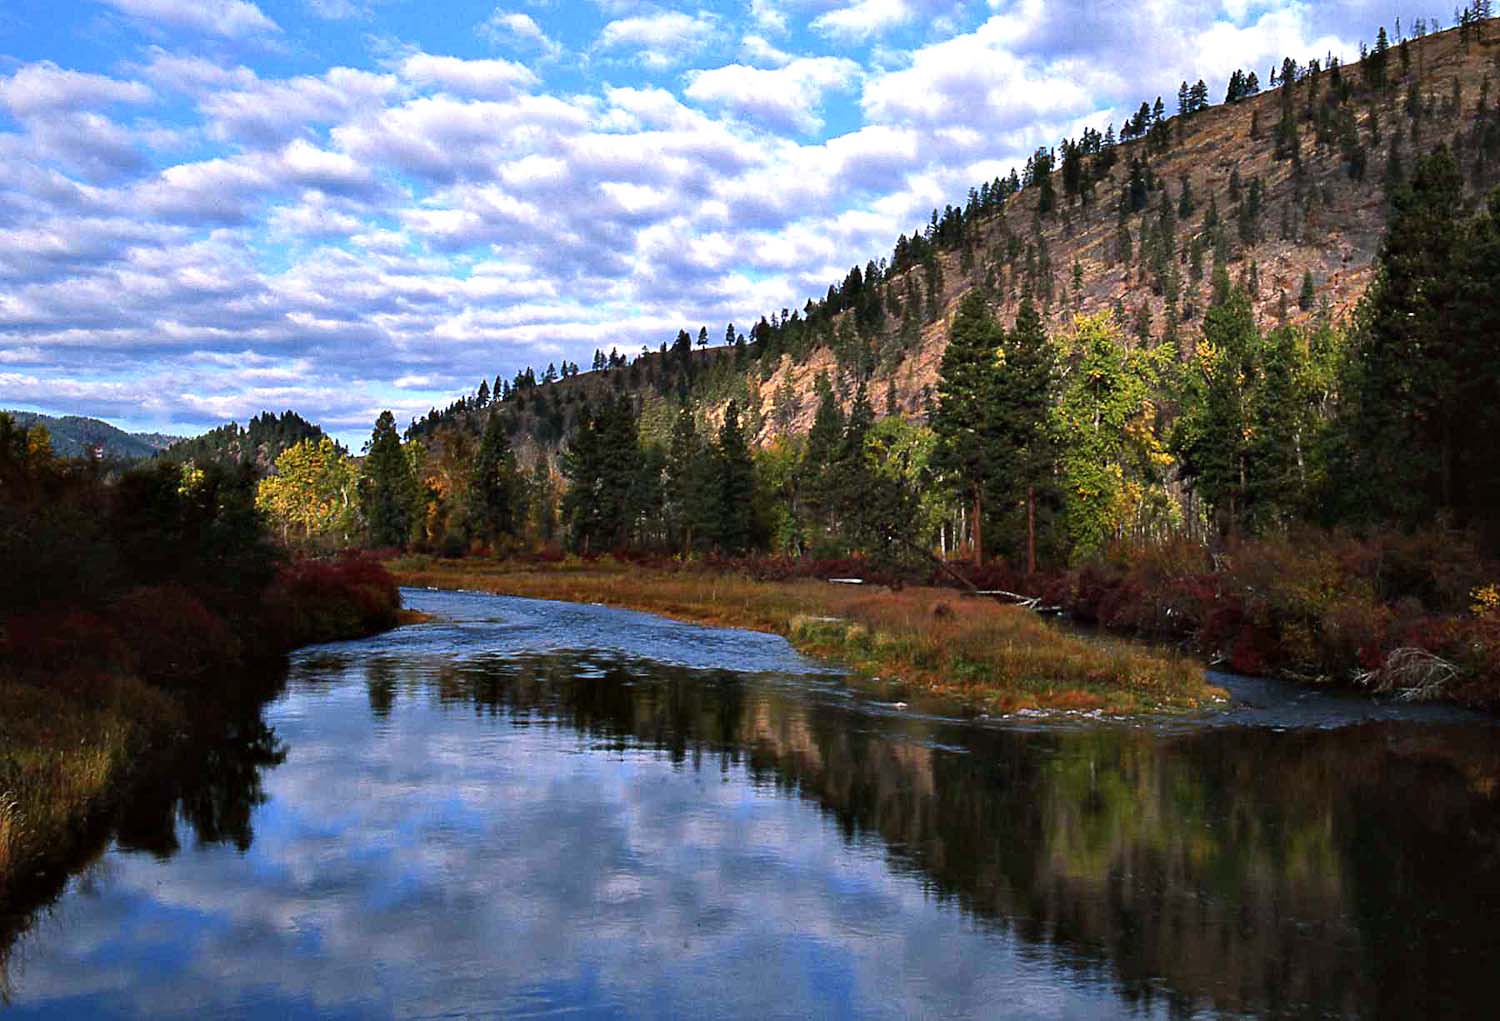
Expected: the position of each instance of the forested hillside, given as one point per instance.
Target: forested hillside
(1169, 372)
(74, 436)
(257, 444)
(1284, 187)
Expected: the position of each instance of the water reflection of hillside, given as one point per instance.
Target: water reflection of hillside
(1346, 872)
(1276, 873)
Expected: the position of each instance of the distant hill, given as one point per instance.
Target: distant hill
(75, 436)
(258, 443)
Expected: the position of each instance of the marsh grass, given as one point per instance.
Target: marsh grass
(63, 751)
(991, 657)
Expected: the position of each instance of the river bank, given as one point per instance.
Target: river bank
(989, 657)
(92, 700)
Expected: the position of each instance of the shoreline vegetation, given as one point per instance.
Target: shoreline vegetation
(915, 641)
(135, 606)
(74, 735)
(1413, 616)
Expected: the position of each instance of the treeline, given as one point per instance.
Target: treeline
(259, 443)
(163, 571)
(1071, 440)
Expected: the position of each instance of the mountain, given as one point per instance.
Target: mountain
(73, 436)
(1287, 193)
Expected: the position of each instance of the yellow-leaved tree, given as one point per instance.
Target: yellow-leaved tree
(312, 496)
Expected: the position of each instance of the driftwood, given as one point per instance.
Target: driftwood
(1413, 675)
(1033, 603)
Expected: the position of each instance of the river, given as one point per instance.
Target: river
(528, 809)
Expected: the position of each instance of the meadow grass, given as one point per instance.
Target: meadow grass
(991, 657)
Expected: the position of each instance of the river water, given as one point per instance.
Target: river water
(529, 809)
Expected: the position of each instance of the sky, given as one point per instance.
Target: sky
(210, 208)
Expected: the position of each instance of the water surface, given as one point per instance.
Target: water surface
(529, 809)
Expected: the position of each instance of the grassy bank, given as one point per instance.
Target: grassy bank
(996, 658)
(88, 698)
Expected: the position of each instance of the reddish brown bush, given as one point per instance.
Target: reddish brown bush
(322, 600)
(57, 643)
(171, 635)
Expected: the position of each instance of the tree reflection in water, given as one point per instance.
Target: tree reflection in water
(1354, 870)
(1337, 872)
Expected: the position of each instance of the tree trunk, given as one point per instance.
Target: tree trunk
(976, 531)
(1030, 530)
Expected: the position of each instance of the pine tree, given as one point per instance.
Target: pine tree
(389, 493)
(813, 478)
(1211, 435)
(735, 480)
(690, 503)
(1309, 296)
(602, 466)
(496, 492)
(1402, 425)
(965, 417)
(1024, 393)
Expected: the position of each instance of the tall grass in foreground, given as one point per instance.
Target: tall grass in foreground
(993, 657)
(61, 751)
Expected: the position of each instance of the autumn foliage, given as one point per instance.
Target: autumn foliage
(318, 600)
(1316, 605)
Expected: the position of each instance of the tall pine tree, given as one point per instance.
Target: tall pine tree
(965, 416)
(497, 492)
(389, 493)
(1025, 392)
(735, 484)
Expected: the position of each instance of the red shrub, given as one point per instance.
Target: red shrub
(321, 600)
(171, 635)
(50, 643)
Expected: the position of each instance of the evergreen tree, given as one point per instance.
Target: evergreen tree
(1246, 419)
(1417, 426)
(496, 491)
(965, 417)
(691, 503)
(602, 465)
(815, 484)
(1309, 295)
(389, 494)
(735, 484)
(1025, 391)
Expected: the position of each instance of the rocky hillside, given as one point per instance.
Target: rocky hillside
(1286, 194)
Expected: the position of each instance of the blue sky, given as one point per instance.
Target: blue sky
(211, 208)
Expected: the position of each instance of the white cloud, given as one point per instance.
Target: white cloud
(863, 18)
(44, 88)
(975, 79)
(516, 28)
(756, 47)
(659, 40)
(265, 114)
(480, 79)
(786, 98)
(230, 18)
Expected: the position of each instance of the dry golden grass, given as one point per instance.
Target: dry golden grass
(63, 750)
(993, 657)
